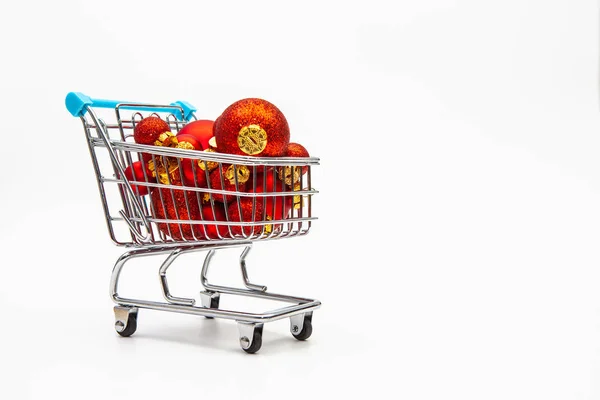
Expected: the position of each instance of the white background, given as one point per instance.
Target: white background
(456, 254)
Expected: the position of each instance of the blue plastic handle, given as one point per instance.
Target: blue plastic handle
(77, 104)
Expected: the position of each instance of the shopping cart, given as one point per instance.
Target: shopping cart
(147, 226)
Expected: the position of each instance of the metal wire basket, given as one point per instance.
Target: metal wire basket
(189, 201)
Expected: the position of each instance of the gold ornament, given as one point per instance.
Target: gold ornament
(298, 203)
(208, 164)
(252, 139)
(285, 174)
(243, 174)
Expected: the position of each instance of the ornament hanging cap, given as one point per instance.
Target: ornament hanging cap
(252, 139)
(242, 172)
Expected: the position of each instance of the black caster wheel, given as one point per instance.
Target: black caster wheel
(129, 328)
(256, 343)
(306, 328)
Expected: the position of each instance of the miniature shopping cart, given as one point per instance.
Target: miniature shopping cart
(134, 220)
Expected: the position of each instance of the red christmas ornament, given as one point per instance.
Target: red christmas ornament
(247, 210)
(250, 181)
(187, 138)
(176, 204)
(256, 172)
(291, 175)
(201, 129)
(252, 127)
(297, 150)
(135, 172)
(275, 207)
(167, 169)
(193, 175)
(191, 167)
(148, 130)
(213, 231)
(228, 175)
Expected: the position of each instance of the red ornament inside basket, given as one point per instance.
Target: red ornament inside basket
(248, 127)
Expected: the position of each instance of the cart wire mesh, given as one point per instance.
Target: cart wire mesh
(180, 196)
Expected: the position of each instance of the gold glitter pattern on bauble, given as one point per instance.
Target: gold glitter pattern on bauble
(170, 172)
(243, 174)
(208, 164)
(166, 175)
(285, 174)
(252, 139)
(185, 145)
(166, 139)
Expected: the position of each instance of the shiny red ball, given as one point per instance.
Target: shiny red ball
(246, 210)
(176, 204)
(201, 129)
(213, 231)
(252, 127)
(193, 175)
(135, 172)
(223, 179)
(275, 207)
(149, 129)
(186, 137)
(297, 150)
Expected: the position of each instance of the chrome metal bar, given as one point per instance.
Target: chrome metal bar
(209, 190)
(303, 306)
(100, 183)
(134, 229)
(215, 157)
(247, 283)
(269, 316)
(224, 223)
(170, 244)
(204, 272)
(162, 272)
(243, 292)
(115, 161)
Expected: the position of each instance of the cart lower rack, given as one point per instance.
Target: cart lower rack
(189, 201)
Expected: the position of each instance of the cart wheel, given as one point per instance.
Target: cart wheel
(130, 326)
(253, 346)
(306, 330)
(256, 342)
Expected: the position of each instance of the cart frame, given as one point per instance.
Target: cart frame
(147, 240)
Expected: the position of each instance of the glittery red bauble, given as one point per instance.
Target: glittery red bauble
(135, 172)
(213, 231)
(225, 175)
(201, 129)
(176, 204)
(252, 127)
(149, 129)
(247, 210)
(297, 150)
